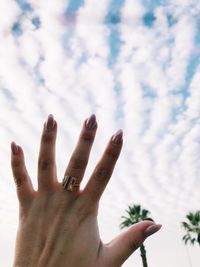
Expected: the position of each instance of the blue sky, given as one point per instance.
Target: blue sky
(135, 64)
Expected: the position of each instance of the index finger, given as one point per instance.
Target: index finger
(103, 170)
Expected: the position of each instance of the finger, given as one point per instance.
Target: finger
(126, 243)
(80, 156)
(23, 183)
(46, 162)
(104, 169)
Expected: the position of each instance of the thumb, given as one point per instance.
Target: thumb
(127, 242)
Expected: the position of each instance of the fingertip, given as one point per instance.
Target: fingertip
(91, 122)
(152, 229)
(50, 125)
(14, 148)
(117, 138)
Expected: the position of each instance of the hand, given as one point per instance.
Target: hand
(57, 227)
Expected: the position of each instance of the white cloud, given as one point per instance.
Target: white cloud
(193, 101)
(159, 165)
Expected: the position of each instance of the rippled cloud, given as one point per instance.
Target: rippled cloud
(135, 64)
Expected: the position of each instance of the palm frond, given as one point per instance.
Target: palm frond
(198, 239)
(186, 238)
(186, 226)
(135, 214)
(192, 228)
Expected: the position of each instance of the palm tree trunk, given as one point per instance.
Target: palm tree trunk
(143, 255)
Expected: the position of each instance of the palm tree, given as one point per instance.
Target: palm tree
(136, 214)
(192, 228)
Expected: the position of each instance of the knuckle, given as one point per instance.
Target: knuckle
(87, 137)
(101, 173)
(112, 154)
(78, 163)
(18, 181)
(44, 164)
(84, 210)
(16, 163)
(47, 137)
(81, 210)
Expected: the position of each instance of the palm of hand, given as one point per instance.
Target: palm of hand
(58, 228)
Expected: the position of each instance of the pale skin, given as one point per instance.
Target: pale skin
(59, 228)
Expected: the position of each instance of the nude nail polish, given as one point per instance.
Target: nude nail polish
(91, 122)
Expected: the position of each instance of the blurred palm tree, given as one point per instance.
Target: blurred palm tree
(136, 214)
(192, 228)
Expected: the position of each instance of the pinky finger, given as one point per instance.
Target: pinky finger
(25, 191)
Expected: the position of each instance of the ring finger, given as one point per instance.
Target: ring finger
(79, 159)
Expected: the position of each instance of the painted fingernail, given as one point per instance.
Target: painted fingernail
(117, 137)
(14, 148)
(152, 229)
(50, 122)
(91, 122)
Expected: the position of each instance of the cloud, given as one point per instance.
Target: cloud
(63, 62)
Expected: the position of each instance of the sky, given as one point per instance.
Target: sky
(136, 65)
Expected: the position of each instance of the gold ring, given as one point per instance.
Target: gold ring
(69, 182)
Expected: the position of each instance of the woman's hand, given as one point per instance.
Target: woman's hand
(58, 227)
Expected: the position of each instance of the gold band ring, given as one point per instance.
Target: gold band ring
(69, 182)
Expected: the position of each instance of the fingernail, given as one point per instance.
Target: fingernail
(152, 229)
(117, 137)
(14, 148)
(91, 122)
(50, 122)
